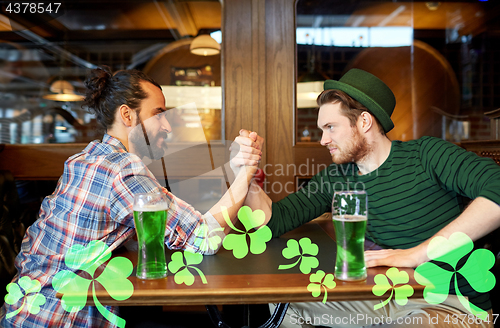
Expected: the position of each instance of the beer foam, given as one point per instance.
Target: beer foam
(151, 208)
(350, 218)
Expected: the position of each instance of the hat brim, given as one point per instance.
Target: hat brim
(365, 100)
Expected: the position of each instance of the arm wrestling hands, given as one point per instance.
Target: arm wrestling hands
(245, 158)
(246, 151)
(256, 198)
(477, 220)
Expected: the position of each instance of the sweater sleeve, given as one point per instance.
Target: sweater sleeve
(458, 170)
(303, 206)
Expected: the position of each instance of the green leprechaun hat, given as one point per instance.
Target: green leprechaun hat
(370, 91)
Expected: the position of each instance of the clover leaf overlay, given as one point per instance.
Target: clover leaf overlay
(320, 281)
(382, 285)
(305, 250)
(30, 297)
(436, 279)
(181, 268)
(237, 242)
(208, 242)
(113, 278)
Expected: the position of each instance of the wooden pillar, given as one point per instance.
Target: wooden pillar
(258, 56)
(243, 66)
(281, 103)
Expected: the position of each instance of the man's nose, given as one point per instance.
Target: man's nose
(325, 139)
(165, 125)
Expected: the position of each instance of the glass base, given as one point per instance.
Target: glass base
(151, 270)
(350, 277)
(151, 276)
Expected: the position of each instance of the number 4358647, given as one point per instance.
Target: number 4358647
(33, 8)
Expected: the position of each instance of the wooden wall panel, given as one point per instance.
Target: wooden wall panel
(259, 70)
(259, 78)
(280, 80)
(311, 159)
(37, 162)
(243, 67)
(46, 161)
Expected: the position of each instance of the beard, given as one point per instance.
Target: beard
(157, 146)
(154, 150)
(354, 151)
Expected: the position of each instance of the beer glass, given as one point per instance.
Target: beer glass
(150, 217)
(350, 215)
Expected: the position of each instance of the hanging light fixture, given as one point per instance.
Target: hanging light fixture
(62, 90)
(204, 45)
(432, 5)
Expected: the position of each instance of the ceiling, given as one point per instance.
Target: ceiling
(149, 19)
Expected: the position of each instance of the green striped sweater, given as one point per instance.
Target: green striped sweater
(418, 190)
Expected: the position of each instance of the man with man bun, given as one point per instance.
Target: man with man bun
(94, 197)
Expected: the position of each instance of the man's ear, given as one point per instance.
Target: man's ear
(366, 121)
(126, 115)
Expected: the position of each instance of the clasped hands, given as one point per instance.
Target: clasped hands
(246, 151)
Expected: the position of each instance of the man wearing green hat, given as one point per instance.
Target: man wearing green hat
(415, 191)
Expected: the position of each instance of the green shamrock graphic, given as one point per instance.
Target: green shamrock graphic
(475, 270)
(184, 275)
(33, 302)
(382, 285)
(211, 242)
(307, 263)
(319, 280)
(238, 241)
(114, 278)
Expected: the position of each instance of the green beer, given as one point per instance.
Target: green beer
(350, 236)
(150, 224)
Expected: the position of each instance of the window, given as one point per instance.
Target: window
(49, 53)
(439, 58)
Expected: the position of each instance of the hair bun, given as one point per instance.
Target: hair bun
(95, 84)
(107, 91)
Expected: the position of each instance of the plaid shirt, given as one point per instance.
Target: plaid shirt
(93, 201)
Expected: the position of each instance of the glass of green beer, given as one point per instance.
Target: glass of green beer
(350, 215)
(150, 218)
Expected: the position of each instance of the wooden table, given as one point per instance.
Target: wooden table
(255, 279)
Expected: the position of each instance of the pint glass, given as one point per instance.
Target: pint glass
(150, 216)
(350, 215)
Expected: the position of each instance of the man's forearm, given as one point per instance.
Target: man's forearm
(257, 199)
(234, 197)
(477, 220)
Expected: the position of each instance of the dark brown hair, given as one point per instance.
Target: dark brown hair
(350, 107)
(105, 92)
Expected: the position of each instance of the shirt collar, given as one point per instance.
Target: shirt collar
(107, 139)
(108, 144)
